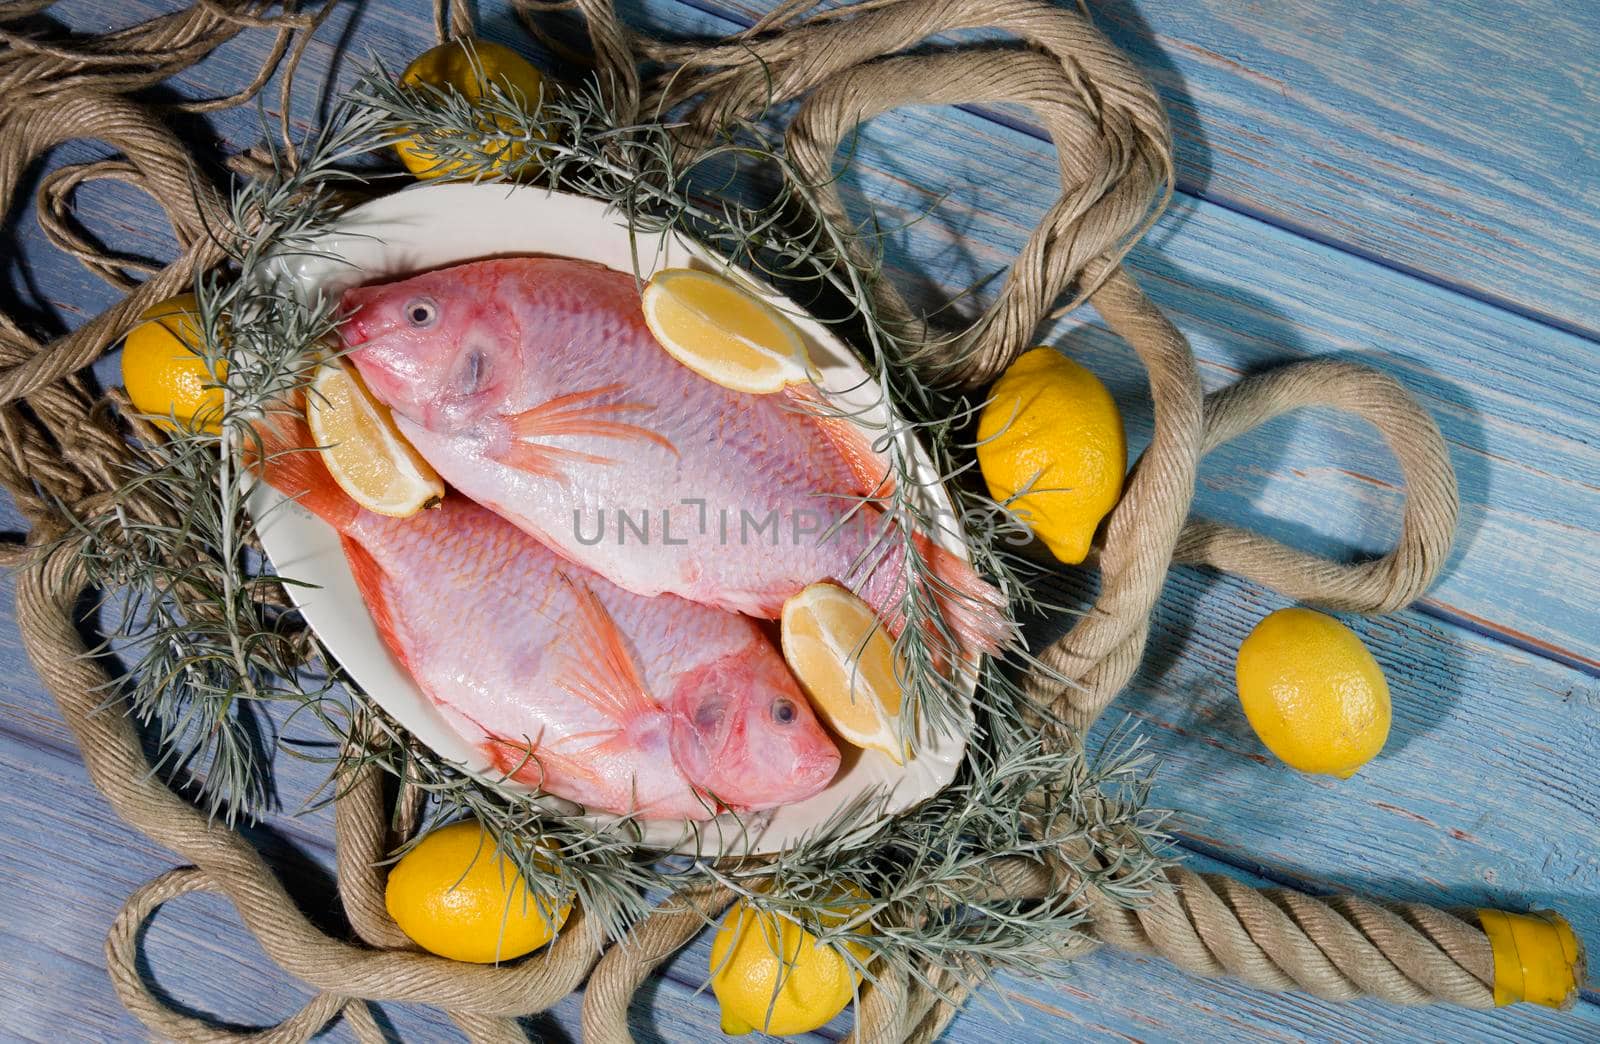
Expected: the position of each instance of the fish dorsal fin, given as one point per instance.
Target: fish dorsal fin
(573, 414)
(601, 670)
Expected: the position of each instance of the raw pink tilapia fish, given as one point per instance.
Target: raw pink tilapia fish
(658, 706)
(534, 386)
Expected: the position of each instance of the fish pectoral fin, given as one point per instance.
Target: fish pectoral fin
(514, 760)
(870, 468)
(607, 743)
(601, 669)
(549, 462)
(574, 414)
(578, 414)
(532, 763)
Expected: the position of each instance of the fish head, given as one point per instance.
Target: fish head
(438, 348)
(743, 732)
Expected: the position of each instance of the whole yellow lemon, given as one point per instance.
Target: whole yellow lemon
(1051, 428)
(747, 968)
(455, 894)
(1313, 692)
(470, 71)
(164, 372)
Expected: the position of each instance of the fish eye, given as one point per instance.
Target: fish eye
(421, 312)
(784, 712)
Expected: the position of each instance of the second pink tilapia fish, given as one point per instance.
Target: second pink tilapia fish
(655, 706)
(534, 386)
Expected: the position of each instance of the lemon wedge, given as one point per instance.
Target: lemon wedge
(363, 450)
(843, 658)
(722, 332)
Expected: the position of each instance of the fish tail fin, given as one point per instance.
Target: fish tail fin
(291, 464)
(973, 609)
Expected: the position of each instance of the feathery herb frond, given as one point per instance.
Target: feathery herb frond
(201, 625)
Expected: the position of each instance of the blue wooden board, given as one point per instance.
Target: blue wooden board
(1435, 139)
(1431, 138)
(1316, 217)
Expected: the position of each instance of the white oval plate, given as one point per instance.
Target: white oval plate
(435, 225)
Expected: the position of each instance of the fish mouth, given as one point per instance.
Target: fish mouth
(352, 332)
(817, 770)
(356, 328)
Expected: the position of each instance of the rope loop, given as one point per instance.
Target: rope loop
(122, 962)
(1112, 141)
(1427, 522)
(1150, 528)
(624, 968)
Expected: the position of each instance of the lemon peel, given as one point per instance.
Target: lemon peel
(768, 973)
(455, 894)
(1051, 447)
(164, 372)
(1313, 692)
(469, 66)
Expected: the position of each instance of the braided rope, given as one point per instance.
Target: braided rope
(846, 65)
(1277, 939)
(626, 966)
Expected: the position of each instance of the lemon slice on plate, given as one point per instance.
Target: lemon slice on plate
(843, 658)
(363, 450)
(722, 332)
